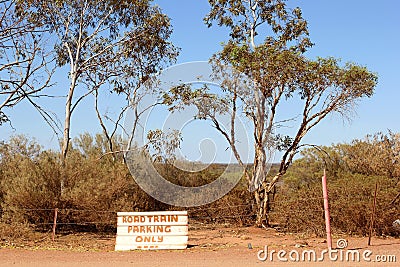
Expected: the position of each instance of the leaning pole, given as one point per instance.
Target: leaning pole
(327, 214)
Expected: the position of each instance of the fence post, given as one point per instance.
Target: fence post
(54, 223)
(327, 214)
(371, 227)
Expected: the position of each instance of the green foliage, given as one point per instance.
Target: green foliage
(309, 168)
(105, 44)
(30, 179)
(162, 145)
(350, 203)
(244, 19)
(352, 170)
(102, 39)
(267, 45)
(377, 154)
(98, 185)
(288, 72)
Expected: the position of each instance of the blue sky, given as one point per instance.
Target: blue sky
(365, 32)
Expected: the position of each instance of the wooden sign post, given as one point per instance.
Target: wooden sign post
(152, 230)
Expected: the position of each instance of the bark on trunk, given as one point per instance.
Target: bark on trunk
(263, 196)
(66, 134)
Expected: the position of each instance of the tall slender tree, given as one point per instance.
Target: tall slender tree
(100, 41)
(279, 73)
(263, 67)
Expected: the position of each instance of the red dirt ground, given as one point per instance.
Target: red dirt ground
(219, 246)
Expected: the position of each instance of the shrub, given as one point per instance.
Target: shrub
(350, 201)
(94, 188)
(97, 186)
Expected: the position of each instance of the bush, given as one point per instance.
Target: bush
(96, 187)
(350, 201)
(94, 190)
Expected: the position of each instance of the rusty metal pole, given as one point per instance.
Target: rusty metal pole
(327, 214)
(371, 227)
(54, 223)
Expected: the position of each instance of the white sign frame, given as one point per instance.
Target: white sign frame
(152, 230)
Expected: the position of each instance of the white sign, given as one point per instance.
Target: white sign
(152, 230)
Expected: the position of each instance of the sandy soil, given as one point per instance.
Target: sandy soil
(219, 246)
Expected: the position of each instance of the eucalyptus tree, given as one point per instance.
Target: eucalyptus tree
(25, 61)
(110, 42)
(267, 43)
(263, 67)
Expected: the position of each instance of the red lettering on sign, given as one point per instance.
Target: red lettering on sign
(149, 239)
(149, 229)
(163, 218)
(174, 218)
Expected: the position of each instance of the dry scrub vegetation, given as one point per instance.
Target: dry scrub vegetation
(96, 187)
